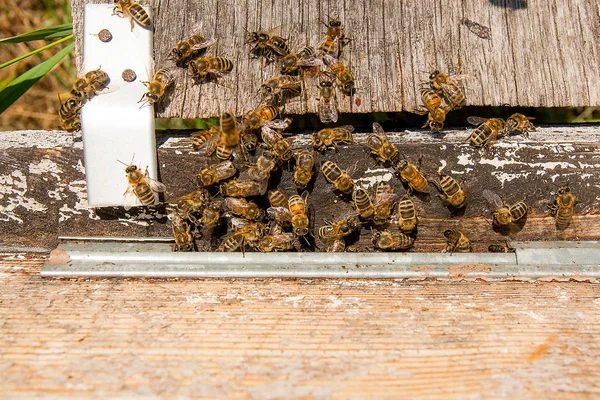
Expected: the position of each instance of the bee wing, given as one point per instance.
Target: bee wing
(305, 196)
(277, 123)
(459, 77)
(493, 198)
(238, 223)
(378, 129)
(349, 128)
(269, 135)
(204, 45)
(155, 185)
(279, 213)
(384, 198)
(277, 30)
(327, 112)
(476, 120)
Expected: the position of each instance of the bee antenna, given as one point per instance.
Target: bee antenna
(122, 163)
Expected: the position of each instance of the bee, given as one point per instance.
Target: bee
(235, 188)
(277, 88)
(281, 215)
(182, 233)
(135, 12)
(385, 199)
(406, 215)
(192, 46)
(249, 141)
(191, 204)
(216, 173)
(500, 248)
(291, 63)
(68, 114)
(255, 119)
(244, 233)
(338, 229)
(207, 69)
(278, 145)
(452, 194)
(261, 171)
(158, 85)
(330, 50)
(87, 87)
(207, 139)
(340, 179)
(336, 246)
(520, 124)
(445, 85)
(142, 186)
(327, 102)
(278, 199)
(229, 138)
(334, 40)
(396, 240)
(412, 175)
(436, 111)
(298, 207)
(71, 124)
(564, 207)
(276, 242)
(335, 30)
(457, 242)
(267, 44)
(330, 137)
(305, 163)
(362, 202)
(343, 78)
(380, 145)
(504, 214)
(244, 208)
(211, 215)
(486, 132)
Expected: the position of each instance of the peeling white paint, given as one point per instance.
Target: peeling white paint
(505, 177)
(209, 298)
(443, 162)
(533, 315)
(45, 166)
(373, 176)
(13, 188)
(465, 159)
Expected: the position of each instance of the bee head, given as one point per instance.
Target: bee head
(434, 74)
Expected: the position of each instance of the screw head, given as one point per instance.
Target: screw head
(104, 35)
(128, 75)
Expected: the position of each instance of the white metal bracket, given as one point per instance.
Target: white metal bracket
(115, 128)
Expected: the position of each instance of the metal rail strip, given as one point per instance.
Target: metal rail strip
(135, 258)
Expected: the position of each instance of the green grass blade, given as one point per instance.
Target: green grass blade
(23, 82)
(24, 56)
(53, 32)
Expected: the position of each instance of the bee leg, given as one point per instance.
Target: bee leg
(131, 23)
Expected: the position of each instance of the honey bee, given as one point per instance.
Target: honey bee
(229, 138)
(255, 119)
(278, 199)
(330, 137)
(291, 63)
(362, 202)
(182, 233)
(335, 30)
(380, 145)
(385, 199)
(211, 215)
(406, 215)
(519, 124)
(244, 233)
(135, 12)
(142, 186)
(235, 188)
(261, 171)
(412, 175)
(445, 85)
(216, 173)
(278, 88)
(298, 208)
(338, 229)
(452, 194)
(436, 112)
(334, 40)
(336, 246)
(68, 114)
(276, 242)
(396, 240)
(267, 44)
(207, 139)
(330, 50)
(564, 207)
(249, 141)
(209, 69)
(457, 242)
(158, 85)
(192, 46)
(87, 87)
(305, 163)
(500, 248)
(327, 103)
(281, 215)
(191, 204)
(486, 132)
(343, 78)
(340, 179)
(504, 214)
(71, 124)
(244, 208)
(278, 145)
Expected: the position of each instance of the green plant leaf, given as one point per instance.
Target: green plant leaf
(24, 56)
(23, 82)
(53, 32)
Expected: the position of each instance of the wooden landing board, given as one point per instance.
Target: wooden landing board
(306, 338)
(539, 53)
(42, 183)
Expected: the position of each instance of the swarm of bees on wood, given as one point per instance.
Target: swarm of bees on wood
(235, 197)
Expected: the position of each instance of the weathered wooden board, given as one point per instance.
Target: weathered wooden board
(42, 185)
(539, 53)
(311, 339)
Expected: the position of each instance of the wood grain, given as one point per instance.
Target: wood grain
(543, 54)
(43, 188)
(309, 339)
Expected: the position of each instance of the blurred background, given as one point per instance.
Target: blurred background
(38, 108)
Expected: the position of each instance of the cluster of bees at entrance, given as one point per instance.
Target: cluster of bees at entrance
(232, 196)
